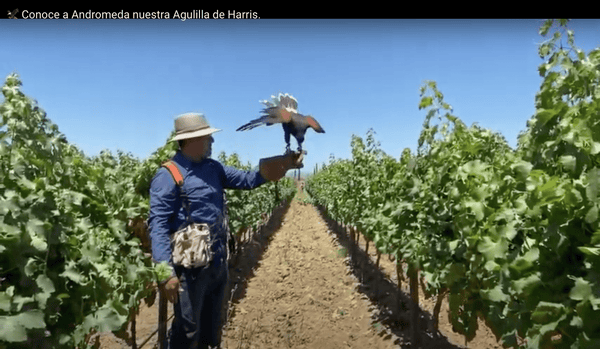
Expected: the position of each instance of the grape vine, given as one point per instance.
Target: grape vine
(69, 266)
(511, 235)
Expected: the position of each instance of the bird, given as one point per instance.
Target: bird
(283, 109)
(12, 14)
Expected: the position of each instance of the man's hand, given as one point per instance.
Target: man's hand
(274, 168)
(172, 289)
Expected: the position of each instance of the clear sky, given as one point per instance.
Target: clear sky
(119, 84)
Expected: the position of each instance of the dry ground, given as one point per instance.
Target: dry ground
(294, 285)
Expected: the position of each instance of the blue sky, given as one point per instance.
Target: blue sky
(119, 84)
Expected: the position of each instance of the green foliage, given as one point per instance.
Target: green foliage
(512, 235)
(65, 256)
(68, 264)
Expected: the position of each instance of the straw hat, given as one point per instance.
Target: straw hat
(192, 125)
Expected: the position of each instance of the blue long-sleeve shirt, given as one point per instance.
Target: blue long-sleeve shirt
(203, 182)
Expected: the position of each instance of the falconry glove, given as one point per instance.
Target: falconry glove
(274, 168)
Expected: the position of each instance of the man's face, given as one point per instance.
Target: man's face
(198, 148)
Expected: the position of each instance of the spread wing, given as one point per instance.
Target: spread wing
(277, 111)
(312, 122)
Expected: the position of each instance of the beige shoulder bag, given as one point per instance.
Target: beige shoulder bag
(191, 244)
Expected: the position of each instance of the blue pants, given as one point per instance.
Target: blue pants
(197, 320)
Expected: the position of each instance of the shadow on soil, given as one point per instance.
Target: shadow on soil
(392, 306)
(246, 259)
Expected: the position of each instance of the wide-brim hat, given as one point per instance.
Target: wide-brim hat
(192, 125)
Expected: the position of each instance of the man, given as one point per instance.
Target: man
(197, 293)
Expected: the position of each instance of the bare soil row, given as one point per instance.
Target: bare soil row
(295, 285)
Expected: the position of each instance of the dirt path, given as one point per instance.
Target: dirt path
(295, 286)
(302, 295)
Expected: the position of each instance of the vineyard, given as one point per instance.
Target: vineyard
(71, 264)
(507, 236)
(511, 236)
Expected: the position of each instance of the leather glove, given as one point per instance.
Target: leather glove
(172, 289)
(274, 168)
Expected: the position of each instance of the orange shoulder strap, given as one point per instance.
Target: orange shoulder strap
(174, 170)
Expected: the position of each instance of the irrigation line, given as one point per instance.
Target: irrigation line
(153, 333)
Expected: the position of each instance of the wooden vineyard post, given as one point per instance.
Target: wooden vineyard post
(399, 274)
(353, 238)
(438, 307)
(133, 330)
(162, 317)
(414, 311)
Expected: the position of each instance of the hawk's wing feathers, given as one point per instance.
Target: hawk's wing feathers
(255, 123)
(283, 109)
(312, 122)
(286, 101)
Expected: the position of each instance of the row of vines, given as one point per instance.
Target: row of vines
(511, 236)
(69, 265)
